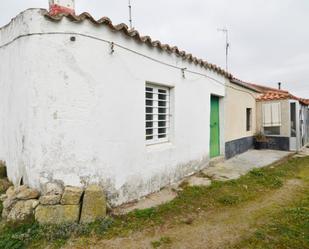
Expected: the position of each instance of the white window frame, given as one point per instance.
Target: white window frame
(155, 138)
(272, 114)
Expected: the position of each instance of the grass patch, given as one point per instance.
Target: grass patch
(287, 229)
(22, 236)
(192, 200)
(161, 242)
(229, 199)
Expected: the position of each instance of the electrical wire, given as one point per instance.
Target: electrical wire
(113, 44)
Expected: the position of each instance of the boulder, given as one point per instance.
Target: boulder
(71, 195)
(22, 211)
(50, 199)
(52, 188)
(10, 192)
(94, 204)
(27, 193)
(57, 214)
(9, 203)
(20, 188)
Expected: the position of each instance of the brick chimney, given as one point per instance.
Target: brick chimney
(61, 6)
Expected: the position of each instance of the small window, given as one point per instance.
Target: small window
(157, 114)
(272, 115)
(249, 119)
(274, 130)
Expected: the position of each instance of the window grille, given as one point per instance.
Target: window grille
(157, 126)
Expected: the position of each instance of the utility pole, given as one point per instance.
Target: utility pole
(227, 47)
(130, 15)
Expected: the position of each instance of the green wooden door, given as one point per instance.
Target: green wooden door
(214, 127)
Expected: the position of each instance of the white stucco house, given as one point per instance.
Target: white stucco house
(85, 101)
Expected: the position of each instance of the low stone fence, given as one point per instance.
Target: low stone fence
(55, 205)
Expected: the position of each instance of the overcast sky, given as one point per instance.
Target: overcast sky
(269, 38)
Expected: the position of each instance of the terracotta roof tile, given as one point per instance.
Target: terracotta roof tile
(135, 34)
(280, 95)
(269, 93)
(305, 101)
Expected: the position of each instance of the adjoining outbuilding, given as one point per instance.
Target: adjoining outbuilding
(283, 118)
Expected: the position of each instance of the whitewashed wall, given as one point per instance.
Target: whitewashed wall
(73, 112)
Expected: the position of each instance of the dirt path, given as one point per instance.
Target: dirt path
(215, 229)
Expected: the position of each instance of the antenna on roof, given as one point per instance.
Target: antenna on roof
(130, 15)
(227, 47)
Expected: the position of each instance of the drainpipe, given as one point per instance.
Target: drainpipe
(61, 7)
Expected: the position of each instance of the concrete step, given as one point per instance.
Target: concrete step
(217, 160)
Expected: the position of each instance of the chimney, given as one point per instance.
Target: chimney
(279, 85)
(61, 6)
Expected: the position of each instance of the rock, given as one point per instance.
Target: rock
(199, 181)
(2, 171)
(35, 204)
(4, 185)
(52, 188)
(57, 214)
(94, 204)
(3, 197)
(50, 199)
(19, 189)
(10, 192)
(9, 203)
(71, 196)
(22, 211)
(27, 194)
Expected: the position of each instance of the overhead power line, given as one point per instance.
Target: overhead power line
(113, 45)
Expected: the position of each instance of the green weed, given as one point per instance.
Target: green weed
(161, 242)
(191, 200)
(287, 229)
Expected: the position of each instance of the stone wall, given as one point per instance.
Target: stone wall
(56, 204)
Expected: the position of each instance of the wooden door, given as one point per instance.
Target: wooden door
(214, 127)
